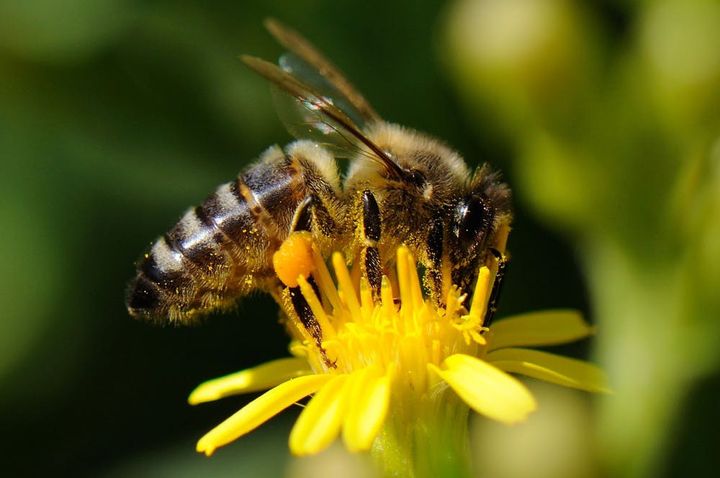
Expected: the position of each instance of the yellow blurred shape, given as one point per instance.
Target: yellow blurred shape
(682, 40)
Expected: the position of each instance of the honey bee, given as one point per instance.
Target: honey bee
(401, 187)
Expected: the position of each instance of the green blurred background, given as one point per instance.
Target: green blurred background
(115, 115)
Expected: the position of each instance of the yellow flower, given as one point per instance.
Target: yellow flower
(375, 368)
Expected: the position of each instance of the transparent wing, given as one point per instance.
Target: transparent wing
(305, 62)
(305, 122)
(307, 74)
(312, 115)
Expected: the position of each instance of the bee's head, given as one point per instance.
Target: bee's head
(473, 222)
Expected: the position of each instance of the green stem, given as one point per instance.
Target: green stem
(426, 438)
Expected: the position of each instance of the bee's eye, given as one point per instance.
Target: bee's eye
(473, 220)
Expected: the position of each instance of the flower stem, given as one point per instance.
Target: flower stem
(425, 438)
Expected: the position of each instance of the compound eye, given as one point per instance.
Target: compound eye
(473, 220)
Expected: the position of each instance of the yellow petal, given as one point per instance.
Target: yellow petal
(551, 368)
(260, 410)
(539, 328)
(253, 379)
(370, 392)
(319, 424)
(486, 389)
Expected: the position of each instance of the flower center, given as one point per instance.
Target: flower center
(399, 333)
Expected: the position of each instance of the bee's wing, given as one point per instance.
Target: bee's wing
(305, 62)
(319, 117)
(294, 114)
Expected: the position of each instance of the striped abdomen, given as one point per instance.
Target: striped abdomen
(222, 249)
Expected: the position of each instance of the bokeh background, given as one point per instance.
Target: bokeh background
(115, 115)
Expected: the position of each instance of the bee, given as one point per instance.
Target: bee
(401, 187)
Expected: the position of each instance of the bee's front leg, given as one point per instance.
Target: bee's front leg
(502, 263)
(370, 262)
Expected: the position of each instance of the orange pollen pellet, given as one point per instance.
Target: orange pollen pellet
(294, 258)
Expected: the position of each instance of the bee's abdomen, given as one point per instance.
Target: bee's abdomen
(220, 250)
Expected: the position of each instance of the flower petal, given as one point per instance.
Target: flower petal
(253, 379)
(539, 328)
(319, 424)
(486, 389)
(260, 410)
(551, 368)
(370, 392)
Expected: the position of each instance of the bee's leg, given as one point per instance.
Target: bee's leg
(307, 318)
(302, 221)
(434, 273)
(502, 264)
(370, 254)
(312, 213)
